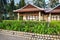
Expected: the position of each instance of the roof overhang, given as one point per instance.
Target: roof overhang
(29, 9)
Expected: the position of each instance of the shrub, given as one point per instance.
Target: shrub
(32, 26)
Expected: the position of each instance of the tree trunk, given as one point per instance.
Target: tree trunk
(0, 16)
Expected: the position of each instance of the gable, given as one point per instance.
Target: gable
(29, 6)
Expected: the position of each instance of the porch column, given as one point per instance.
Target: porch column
(39, 16)
(24, 17)
(49, 18)
(18, 16)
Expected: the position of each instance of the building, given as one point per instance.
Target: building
(32, 12)
(55, 13)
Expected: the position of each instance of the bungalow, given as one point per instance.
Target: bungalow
(55, 13)
(32, 12)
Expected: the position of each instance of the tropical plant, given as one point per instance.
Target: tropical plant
(32, 26)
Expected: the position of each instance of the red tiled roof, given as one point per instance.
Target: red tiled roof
(33, 8)
(29, 8)
(56, 11)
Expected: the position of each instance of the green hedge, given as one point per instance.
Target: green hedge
(32, 26)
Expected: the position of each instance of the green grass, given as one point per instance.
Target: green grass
(32, 26)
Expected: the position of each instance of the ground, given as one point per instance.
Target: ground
(9, 37)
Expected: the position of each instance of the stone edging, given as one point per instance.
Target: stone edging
(30, 35)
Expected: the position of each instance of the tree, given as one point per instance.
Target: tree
(53, 3)
(39, 3)
(3, 4)
(11, 8)
(22, 3)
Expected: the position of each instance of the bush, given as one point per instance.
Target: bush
(32, 26)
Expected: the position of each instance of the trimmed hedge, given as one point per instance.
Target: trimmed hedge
(32, 26)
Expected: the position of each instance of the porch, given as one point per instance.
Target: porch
(35, 16)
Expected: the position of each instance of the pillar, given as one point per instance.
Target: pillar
(24, 17)
(18, 17)
(49, 18)
(39, 16)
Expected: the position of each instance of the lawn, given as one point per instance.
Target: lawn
(39, 27)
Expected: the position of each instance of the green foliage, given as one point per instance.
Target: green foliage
(39, 3)
(53, 3)
(3, 3)
(22, 3)
(32, 26)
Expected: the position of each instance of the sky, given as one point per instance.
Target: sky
(47, 1)
(17, 1)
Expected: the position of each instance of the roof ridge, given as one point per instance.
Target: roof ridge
(27, 5)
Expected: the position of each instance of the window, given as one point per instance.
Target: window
(55, 17)
(32, 17)
(37, 17)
